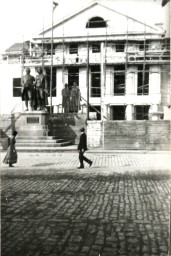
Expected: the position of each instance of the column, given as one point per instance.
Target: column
(56, 109)
(82, 83)
(102, 82)
(154, 83)
(65, 76)
(129, 112)
(109, 83)
(108, 115)
(167, 113)
(153, 112)
(130, 81)
(105, 111)
(59, 85)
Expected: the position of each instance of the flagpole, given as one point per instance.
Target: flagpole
(43, 48)
(54, 4)
(51, 68)
(88, 68)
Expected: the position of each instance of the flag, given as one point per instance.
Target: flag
(54, 5)
(164, 2)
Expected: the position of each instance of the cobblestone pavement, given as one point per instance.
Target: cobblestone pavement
(118, 207)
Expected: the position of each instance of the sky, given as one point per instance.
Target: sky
(20, 20)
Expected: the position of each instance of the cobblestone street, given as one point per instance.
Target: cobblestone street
(118, 207)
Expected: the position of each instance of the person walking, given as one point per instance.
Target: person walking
(82, 147)
(11, 155)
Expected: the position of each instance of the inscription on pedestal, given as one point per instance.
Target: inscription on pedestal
(33, 120)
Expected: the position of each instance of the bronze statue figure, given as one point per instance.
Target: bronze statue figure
(75, 98)
(66, 98)
(27, 89)
(41, 90)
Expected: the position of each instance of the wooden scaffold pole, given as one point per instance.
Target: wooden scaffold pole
(88, 87)
(54, 5)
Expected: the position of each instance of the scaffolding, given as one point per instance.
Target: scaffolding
(138, 58)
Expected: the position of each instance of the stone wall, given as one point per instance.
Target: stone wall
(124, 135)
(119, 135)
(158, 135)
(133, 135)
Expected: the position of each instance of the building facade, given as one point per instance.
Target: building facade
(121, 65)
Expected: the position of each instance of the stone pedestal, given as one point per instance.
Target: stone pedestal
(33, 123)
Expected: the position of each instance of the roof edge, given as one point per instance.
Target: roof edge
(89, 5)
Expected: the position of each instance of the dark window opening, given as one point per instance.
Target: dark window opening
(118, 112)
(95, 47)
(141, 112)
(73, 48)
(73, 76)
(96, 109)
(96, 22)
(17, 87)
(48, 74)
(120, 47)
(95, 82)
(119, 80)
(167, 45)
(143, 45)
(143, 88)
(48, 49)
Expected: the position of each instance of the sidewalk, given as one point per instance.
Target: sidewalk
(103, 161)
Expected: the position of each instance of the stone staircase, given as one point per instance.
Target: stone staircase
(42, 144)
(42, 132)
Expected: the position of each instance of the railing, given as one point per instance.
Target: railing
(93, 107)
(16, 106)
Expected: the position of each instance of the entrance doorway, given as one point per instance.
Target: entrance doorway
(73, 76)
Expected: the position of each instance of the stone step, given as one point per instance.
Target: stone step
(70, 148)
(26, 145)
(35, 133)
(37, 137)
(39, 141)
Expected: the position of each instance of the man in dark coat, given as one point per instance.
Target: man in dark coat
(82, 147)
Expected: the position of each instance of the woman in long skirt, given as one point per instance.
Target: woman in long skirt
(11, 155)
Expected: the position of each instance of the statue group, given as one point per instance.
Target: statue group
(34, 90)
(35, 93)
(71, 99)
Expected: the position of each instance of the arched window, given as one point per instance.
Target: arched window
(96, 22)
